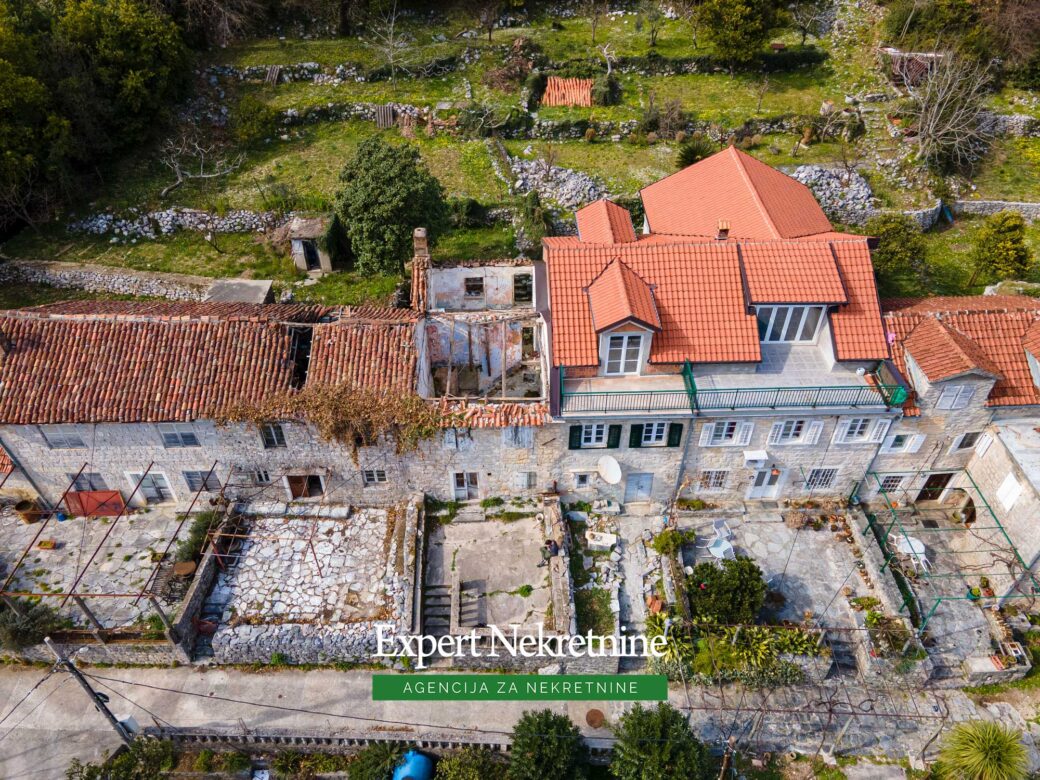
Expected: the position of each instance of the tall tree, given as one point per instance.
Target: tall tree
(387, 193)
(999, 249)
(546, 746)
(738, 29)
(657, 744)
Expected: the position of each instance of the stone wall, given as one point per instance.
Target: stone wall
(142, 652)
(1031, 211)
(100, 278)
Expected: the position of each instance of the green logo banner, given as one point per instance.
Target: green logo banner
(519, 687)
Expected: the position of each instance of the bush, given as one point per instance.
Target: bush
(387, 193)
(738, 29)
(982, 750)
(900, 246)
(671, 540)
(731, 593)
(547, 746)
(535, 85)
(252, 120)
(657, 743)
(190, 549)
(694, 149)
(36, 621)
(606, 90)
(999, 249)
(376, 762)
(471, 763)
(467, 213)
(234, 762)
(147, 758)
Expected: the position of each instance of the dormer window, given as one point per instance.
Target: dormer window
(623, 353)
(955, 397)
(789, 324)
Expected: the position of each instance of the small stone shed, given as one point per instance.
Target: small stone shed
(304, 235)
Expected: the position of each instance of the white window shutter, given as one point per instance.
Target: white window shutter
(956, 443)
(983, 444)
(744, 434)
(813, 434)
(916, 443)
(879, 429)
(706, 433)
(841, 432)
(1009, 491)
(947, 398)
(774, 432)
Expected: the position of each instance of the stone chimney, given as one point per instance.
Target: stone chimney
(420, 246)
(420, 269)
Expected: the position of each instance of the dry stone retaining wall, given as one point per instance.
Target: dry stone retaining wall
(99, 278)
(1030, 211)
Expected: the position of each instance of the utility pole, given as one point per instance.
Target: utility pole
(99, 702)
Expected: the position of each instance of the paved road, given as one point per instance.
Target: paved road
(57, 722)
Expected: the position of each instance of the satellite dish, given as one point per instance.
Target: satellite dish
(609, 470)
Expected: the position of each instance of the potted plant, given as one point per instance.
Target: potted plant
(974, 594)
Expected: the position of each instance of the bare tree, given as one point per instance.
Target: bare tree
(761, 89)
(219, 21)
(595, 10)
(607, 51)
(387, 36)
(190, 157)
(947, 106)
(651, 16)
(486, 13)
(808, 17)
(26, 198)
(548, 153)
(1017, 23)
(689, 12)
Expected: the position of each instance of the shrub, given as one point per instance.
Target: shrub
(466, 212)
(190, 548)
(203, 761)
(731, 593)
(147, 758)
(656, 742)
(252, 120)
(491, 502)
(535, 84)
(900, 246)
(376, 762)
(471, 763)
(606, 90)
(387, 193)
(234, 762)
(694, 149)
(670, 541)
(546, 746)
(999, 248)
(982, 750)
(738, 29)
(36, 621)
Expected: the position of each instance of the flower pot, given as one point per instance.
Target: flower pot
(28, 511)
(973, 595)
(987, 592)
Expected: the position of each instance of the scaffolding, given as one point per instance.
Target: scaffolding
(971, 543)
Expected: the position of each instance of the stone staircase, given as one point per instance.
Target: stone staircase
(436, 610)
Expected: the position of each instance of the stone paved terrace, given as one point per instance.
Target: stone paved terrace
(495, 559)
(277, 596)
(122, 565)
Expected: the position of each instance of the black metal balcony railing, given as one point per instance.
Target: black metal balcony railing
(694, 401)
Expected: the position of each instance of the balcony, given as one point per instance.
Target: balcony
(787, 379)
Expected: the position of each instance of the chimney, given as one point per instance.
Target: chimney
(723, 233)
(420, 247)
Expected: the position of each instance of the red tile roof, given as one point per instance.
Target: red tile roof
(461, 414)
(617, 295)
(128, 367)
(6, 465)
(942, 352)
(997, 328)
(789, 272)
(1031, 341)
(698, 292)
(758, 202)
(567, 92)
(858, 332)
(603, 222)
(272, 312)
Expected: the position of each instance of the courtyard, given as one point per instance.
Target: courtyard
(122, 565)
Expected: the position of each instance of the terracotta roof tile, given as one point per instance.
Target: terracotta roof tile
(943, 352)
(216, 310)
(492, 415)
(6, 465)
(567, 92)
(365, 354)
(618, 294)
(758, 202)
(603, 222)
(1031, 341)
(789, 272)
(997, 326)
(857, 328)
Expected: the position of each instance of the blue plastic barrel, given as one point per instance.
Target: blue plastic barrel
(414, 766)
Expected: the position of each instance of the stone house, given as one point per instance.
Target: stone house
(306, 246)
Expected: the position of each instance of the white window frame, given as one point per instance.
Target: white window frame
(727, 433)
(87, 481)
(177, 436)
(777, 322)
(796, 431)
(713, 479)
(470, 481)
(960, 446)
(655, 434)
(593, 435)
(372, 477)
(955, 397)
(871, 430)
(261, 477)
(133, 477)
(272, 436)
(913, 443)
(63, 437)
(821, 478)
(525, 480)
(206, 481)
(625, 364)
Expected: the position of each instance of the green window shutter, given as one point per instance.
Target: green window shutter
(635, 435)
(674, 434)
(575, 442)
(613, 437)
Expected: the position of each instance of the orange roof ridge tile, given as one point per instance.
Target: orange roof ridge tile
(617, 294)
